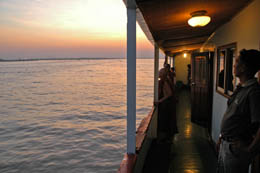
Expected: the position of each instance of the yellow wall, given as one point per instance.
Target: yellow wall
(181, 67)
(244, 29)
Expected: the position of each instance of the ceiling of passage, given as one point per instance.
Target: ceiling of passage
(167, 21)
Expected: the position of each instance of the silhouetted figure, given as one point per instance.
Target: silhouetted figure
(167, 126)
(221, 79)
(173, 75)
(189, 76)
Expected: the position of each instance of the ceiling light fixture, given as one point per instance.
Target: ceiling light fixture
(199, 19)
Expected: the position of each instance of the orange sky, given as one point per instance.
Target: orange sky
(65, 28)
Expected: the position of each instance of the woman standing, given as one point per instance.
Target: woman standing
(166, 107)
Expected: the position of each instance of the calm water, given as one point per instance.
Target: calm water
(67, 116)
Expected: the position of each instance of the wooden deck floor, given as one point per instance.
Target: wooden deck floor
(190, 151)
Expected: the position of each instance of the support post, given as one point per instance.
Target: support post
(153, 133)
(156, 71)
(170, 61)
(131, 80)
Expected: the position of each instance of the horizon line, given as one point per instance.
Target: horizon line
(82, 58)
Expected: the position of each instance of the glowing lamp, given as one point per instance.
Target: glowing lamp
(199, 19)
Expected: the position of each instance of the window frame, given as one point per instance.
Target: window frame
(225, 91)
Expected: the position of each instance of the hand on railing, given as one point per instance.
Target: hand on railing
(218, 143)
(156, 103)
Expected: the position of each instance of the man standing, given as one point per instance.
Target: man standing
(239, 140)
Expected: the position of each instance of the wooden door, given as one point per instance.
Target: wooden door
(201, 88)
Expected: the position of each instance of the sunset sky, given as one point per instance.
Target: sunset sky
(66, 28)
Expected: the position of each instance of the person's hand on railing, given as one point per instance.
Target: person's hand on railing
(156, 103)
(218, 143)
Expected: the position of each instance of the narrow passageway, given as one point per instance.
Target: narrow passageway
(190, 151)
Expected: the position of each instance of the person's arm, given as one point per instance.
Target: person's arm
(254, 98)
(218, 143)
(255, 144)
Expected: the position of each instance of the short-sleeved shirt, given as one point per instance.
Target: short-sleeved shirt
(242, 117)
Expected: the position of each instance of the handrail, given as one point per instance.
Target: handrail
(143, 129)
(129, 161)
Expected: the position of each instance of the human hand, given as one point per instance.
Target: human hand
(218, 144)
(156, 103)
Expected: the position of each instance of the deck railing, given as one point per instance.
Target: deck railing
(144, 135)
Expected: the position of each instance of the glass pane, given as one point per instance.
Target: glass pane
(197, 70)
(231, 79)
(221, 68)
(200, 75)
(203, 70)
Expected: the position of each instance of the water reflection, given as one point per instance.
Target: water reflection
(188, 130)
(67, 116)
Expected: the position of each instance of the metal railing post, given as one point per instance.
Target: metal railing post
(153, 133)
(156, 71)
(131, 80)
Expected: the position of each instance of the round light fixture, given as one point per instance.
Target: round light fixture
(199, 19)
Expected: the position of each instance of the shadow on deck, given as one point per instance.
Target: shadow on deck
(190, 150)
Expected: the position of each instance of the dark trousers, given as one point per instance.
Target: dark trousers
(233, 158)
(167, 117)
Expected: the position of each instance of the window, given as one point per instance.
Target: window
(201, 67)
(226, 80)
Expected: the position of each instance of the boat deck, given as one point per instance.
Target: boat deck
(190, 150)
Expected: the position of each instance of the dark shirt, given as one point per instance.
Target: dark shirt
(242, 117)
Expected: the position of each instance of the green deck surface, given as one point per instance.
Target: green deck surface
(190, 151)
